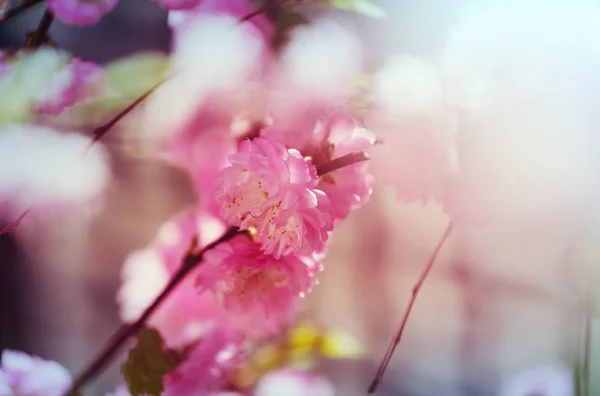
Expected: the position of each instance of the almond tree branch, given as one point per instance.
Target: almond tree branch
(18, 10)
(15, 223)
(343, 161)
(40, 35)
(100, 131)
(190, 261)
(388, 355)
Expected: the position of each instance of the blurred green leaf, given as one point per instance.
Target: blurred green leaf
(148, 364)
(128, 78)
(29, 72)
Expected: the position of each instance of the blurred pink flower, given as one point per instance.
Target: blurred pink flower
(81, 12)
(529, 128)
(315, 74)
(554, 380)
(21, 374)
(220, 350)
(293, 383)
(271, 191)
(184, 316)
(217, 70)
(411, 117)
(249, 283)
(238, 9)
(77, 82)
(49, 171)
(122, 391)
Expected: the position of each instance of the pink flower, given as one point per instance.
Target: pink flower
(334, 136)
(78, 82)
(553, 380)
(315, 74)
(217, 73)
(184, 316)
(201, 148)
(417, 129)
(293, 383)
(178, 4)
(21, 374)
(219, 351)
(349, 187)
(250, 283)
(81, 12)
(271, 192)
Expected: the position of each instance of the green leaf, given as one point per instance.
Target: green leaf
(128, 78)
(134, 75)
(148, 364)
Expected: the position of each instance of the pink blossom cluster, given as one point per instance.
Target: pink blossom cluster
(258, 137)
(276, 148)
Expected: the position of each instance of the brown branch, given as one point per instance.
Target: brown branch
(18, 10)
(190, 261)
(40, 35)
(341, 162)
(388, 355)
(270, 5)
(102, 130)
(15, 223)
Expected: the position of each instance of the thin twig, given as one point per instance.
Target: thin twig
(388, 355)
(587, 339)
(341, 162)
(41, 33)
(258, 11)
(99, 132)
(18, 10)
(15, 223)
(126, 331)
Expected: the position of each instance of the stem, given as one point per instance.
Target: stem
(41, 33)
(126, 331)
(388, 355)
(341, 162)
(258, 11)
(268, 6)
(18, 10)
(15, 223)
(99, 132)
(589, 313)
